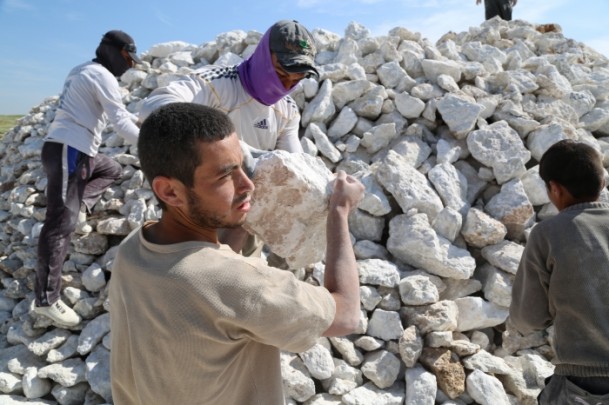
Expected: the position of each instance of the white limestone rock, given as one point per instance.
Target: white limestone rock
(378, 137)
(321, 108)
(295, 186)
(535, 187)
(49, 341)
(496, 285)
(369, 297)
(375, 202)
(369, 393)
(440, 316)
(318, 360)
(10, 383)
(342, 124)
(410, 346)
(487, 363)
(98, 372)
(93, 278)
(297, 383)
(450, 185)
(460, 113)
(486, 389)
(385, 325)
(419, 289)
(347, 350)
(364, 226)
(476, 313)
(505, 255)
(93, 333)
(512, 207)
(67, 373)
(344, 378)
(448, 223)
(413, 241)
(498, 146)
(323, 143)
(410, 188)
(409, 106)
(480, 229)
(381, 367)
(165, 49)
(33, 386)
(421, 387)
(378, 272)
(345, 92)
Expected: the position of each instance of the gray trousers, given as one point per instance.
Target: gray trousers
(502, 8)
(72, 179)
(562, 390)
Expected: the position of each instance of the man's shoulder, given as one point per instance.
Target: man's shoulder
(94, 72)
(94, 68)
(216, 73)
(287, 106)
(131, 240)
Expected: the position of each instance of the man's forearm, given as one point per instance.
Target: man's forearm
(341, 277)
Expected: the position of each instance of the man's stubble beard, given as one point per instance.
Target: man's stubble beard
(206, 219)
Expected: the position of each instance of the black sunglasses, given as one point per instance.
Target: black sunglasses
(307, 74)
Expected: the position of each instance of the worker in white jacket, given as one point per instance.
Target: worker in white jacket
(255, 93)
(77, 174)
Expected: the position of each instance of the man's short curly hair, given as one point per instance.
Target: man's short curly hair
(169, 138)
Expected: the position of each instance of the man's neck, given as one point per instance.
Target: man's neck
(169, 231)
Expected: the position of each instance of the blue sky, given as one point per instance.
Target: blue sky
(41, 40)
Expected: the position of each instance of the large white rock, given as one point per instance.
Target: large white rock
(290, 205)
(413, 240)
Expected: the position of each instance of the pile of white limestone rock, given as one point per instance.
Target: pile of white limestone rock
(445, 137)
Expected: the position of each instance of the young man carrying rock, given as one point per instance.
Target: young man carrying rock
(192, 321)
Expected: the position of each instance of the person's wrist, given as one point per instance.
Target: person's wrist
(340, 209)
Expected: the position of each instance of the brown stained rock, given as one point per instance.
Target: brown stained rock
(449, 372)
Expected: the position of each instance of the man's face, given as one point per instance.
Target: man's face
(288, 79)
(220, 196)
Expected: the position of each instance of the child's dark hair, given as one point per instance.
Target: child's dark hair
(576, 166)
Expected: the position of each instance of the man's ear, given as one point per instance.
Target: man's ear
(170, 191)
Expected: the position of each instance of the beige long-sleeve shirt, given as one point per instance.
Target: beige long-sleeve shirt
(196, 323)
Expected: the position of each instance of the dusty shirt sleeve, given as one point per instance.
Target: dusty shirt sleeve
(109, 96)
(288, 138)
(277, 309)
(182, 90)
(529, 309)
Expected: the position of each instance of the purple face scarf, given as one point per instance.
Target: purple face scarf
(258, 76)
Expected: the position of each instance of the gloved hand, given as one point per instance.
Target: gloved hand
(250, 157)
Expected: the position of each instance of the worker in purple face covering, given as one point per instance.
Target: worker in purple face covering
(255, 95)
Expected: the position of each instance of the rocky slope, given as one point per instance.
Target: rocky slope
(446, 138)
